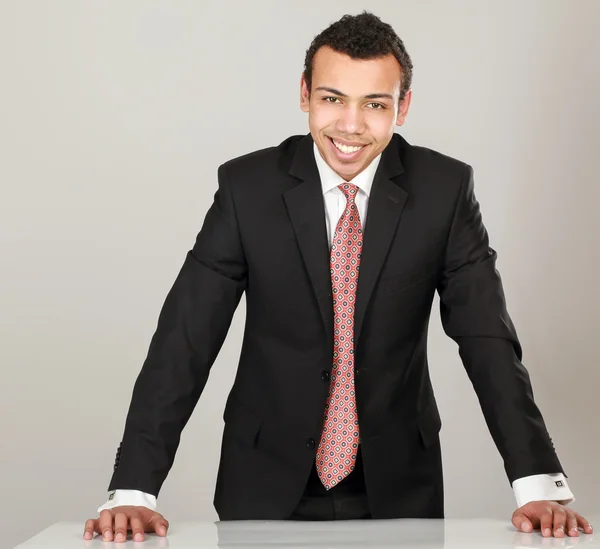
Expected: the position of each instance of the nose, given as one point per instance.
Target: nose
(351, 120)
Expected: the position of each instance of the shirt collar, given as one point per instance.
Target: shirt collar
(330, 179)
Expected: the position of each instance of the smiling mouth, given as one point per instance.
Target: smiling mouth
(347, 152)
(346, 148)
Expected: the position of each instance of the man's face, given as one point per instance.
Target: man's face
(353, 102)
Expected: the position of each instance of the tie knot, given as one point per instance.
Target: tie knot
(349, 189)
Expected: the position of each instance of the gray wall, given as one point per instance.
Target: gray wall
(114, 117)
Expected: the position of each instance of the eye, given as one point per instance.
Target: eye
(379, 105)
(330, 97)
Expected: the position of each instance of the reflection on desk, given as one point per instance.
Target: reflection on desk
(256, 534)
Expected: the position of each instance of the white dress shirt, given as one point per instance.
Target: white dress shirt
(531, 488)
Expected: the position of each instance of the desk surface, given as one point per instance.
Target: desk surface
(413, 533)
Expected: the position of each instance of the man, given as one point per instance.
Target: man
(332, 413)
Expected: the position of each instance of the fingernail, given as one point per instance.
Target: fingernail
(138, 537)
(525, 527)
(547, 531)
(107, 534)
(87, 535)
(560, 530)
(119, 537)
(162, 531)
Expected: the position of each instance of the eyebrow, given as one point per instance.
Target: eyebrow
(370, 96)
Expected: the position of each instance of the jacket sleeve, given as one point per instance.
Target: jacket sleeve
(473, 313)
(192, 326)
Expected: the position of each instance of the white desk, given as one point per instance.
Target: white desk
(409, 533)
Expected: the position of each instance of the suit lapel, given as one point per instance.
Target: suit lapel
(306, 208)
(386, 202)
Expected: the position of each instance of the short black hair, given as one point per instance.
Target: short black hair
(363, 36)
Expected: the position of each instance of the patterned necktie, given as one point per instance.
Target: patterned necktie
(336, 454)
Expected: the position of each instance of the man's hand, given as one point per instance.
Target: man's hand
(116, 522)
(551, 518)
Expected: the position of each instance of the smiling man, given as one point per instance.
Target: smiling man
(339, 239)
(350, 123)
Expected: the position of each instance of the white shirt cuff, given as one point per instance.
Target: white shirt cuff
(551, 487)
(129, 497)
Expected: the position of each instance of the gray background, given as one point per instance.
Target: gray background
(114, 117)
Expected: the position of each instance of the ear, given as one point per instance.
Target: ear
(304, 95)
(403, 108)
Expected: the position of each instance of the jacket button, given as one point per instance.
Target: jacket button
(325, 375)
(310, 443)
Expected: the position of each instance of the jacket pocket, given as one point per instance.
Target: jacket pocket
(430, 424)
(241, 422)
(397, 282)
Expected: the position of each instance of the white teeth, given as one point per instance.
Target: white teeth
(346, 149)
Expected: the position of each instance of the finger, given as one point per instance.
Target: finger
(121, 521)
(546, 524)
(90, 527)
(571, 526)
(584, 524)
(560, 520)
(522, 523)
(161, 526)
(137, 527)
(106, 524)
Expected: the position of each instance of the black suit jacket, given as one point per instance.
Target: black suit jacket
(265, 235)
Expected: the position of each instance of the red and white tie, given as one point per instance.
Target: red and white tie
(336, 453)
